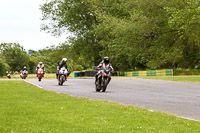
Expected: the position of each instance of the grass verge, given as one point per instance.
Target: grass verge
(31, 76)
(195, 79)
(26, 108)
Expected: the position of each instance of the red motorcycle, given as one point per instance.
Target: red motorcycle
(103, 80)
(40, 73)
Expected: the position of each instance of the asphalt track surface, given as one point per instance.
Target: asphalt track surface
(177, 98)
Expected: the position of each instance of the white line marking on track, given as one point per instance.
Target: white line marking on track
(188, 118)
(151, 110)
(33, 84)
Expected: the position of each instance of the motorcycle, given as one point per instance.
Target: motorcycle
(62, 75)
(24, 74)
(8, 75)
(40, 73)
(103, 79)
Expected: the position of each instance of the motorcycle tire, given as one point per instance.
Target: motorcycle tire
(62, 79)
(40, 78)
(97, 87)
(105, 85)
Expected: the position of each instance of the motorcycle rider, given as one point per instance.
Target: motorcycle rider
(62, 63)
(25, 69)
(7, 74)
(40, 65)
(103, 64)
(22, 71)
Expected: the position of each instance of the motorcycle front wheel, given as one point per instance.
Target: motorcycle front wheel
(97, 86)
(40, 78)
(105, 84)
(62, 79)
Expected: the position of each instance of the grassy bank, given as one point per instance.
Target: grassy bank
(26, 108)
(195, 79)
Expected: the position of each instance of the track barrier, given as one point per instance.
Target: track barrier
(163, 72)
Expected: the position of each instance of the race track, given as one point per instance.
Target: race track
(179, 98)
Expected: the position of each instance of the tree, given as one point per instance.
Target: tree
(145, 34)
(15, 56)
(78, 18)
(185, 21)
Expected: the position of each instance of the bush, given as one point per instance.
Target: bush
(178, 72)
(78, 68)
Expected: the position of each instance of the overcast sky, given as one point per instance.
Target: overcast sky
(20, 23)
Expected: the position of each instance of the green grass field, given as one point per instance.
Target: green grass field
(195, 79)
(26, 108)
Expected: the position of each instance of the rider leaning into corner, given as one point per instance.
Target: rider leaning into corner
(7, 73)
(103, 64)
(40, 65)
(62, 63)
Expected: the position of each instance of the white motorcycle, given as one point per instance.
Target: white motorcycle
(62, 76)
(24, 74)
(8, 75)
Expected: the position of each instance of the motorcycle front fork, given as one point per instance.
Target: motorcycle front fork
(102, 79)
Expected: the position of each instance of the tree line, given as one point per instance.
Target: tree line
(13, 58)
(144, 34)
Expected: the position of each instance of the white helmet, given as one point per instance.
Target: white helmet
(40, 63)
(24, 66)
(64, 60)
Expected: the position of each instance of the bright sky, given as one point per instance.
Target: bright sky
(20, 23)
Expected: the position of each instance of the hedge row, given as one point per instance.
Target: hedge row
(179, 72)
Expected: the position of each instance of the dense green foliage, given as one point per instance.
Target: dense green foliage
(181, 72)
(26, 108)
(13, 57)
(144, 34)
(134, 34)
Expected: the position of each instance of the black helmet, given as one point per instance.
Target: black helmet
(106, 60)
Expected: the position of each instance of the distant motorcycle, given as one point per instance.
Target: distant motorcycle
(40, 73)
(103, 80)
(8, 75)
(24, 74)
(62, 76)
